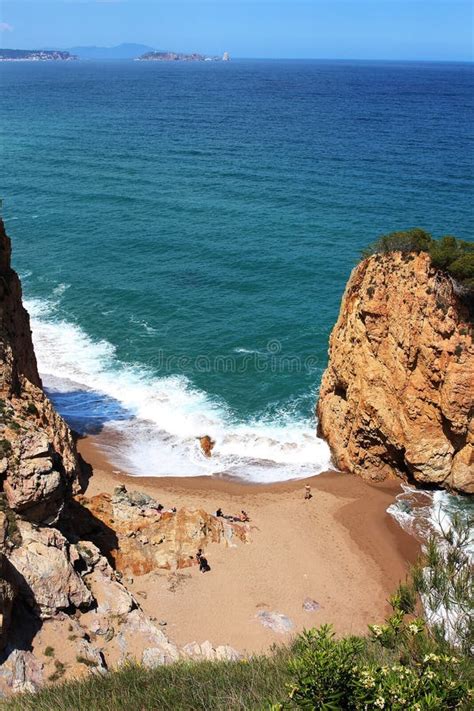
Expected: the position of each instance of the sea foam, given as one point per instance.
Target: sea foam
(426, 512)
(164, 416)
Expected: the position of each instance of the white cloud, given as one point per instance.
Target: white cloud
(5, 27)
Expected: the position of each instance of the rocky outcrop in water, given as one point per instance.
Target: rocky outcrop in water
(38, 459)
(397, 397)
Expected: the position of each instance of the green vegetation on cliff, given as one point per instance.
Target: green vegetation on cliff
(409, 662)
(449, 254)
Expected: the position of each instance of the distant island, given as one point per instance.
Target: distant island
(35, 55)
(162, 56)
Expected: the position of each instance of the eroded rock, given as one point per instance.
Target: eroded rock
(44, 571)
(39, 462)
(397, 397)
(22, 672)
(147, 538)
(111, 597)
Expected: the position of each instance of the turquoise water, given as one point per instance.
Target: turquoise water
(184, 233)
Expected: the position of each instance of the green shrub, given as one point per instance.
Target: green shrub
(59, 671)
(86, 661)
(444, 251)
(449, 254)
(335, 674)
(414, 240)
(462, 269)
(444, 581)
(31, 409)
(5, 447)
(323, 669)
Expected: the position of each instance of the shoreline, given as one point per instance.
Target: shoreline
(341, 549)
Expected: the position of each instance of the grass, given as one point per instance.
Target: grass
(87, 662)
(60, 670)
(183, 686)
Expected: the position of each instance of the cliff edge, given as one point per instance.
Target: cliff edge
(397, 398)
(38, 458)
(61, 585)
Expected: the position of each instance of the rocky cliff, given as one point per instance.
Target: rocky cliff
(61, 555)
(397, 397)
(38, 459)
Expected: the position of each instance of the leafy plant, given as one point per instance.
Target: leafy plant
(86, 661)
(323, 669)
(330, 674)
(414, 240)
(5, 447)
(462, 269)
(449, 254)
(443, 579)
(31, 409)
(59, 671)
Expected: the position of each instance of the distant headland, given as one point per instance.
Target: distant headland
(35, 55)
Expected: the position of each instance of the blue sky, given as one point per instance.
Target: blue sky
(345, 29)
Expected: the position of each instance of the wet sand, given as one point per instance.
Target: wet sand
(341, 549)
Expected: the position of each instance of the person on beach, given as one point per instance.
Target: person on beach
(307, 492)
(219, 513)
(204, 566)
(244, 517)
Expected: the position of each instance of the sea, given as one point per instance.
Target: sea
(184, 233)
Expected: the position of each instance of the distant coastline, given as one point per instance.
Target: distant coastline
(36, 55)
(134, 52)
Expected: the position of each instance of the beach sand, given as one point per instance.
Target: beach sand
(341, 549)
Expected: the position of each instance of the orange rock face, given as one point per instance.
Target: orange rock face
(397, 397)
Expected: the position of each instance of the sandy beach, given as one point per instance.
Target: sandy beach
(340, 549)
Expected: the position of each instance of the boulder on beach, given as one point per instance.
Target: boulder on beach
(275, 621)
(207, 445)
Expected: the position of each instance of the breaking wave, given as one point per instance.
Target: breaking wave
(149, 425)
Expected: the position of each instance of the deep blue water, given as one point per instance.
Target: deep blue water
(185, 231)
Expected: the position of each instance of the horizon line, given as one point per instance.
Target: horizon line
(235, 57)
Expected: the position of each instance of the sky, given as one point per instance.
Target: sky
(328, 29)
